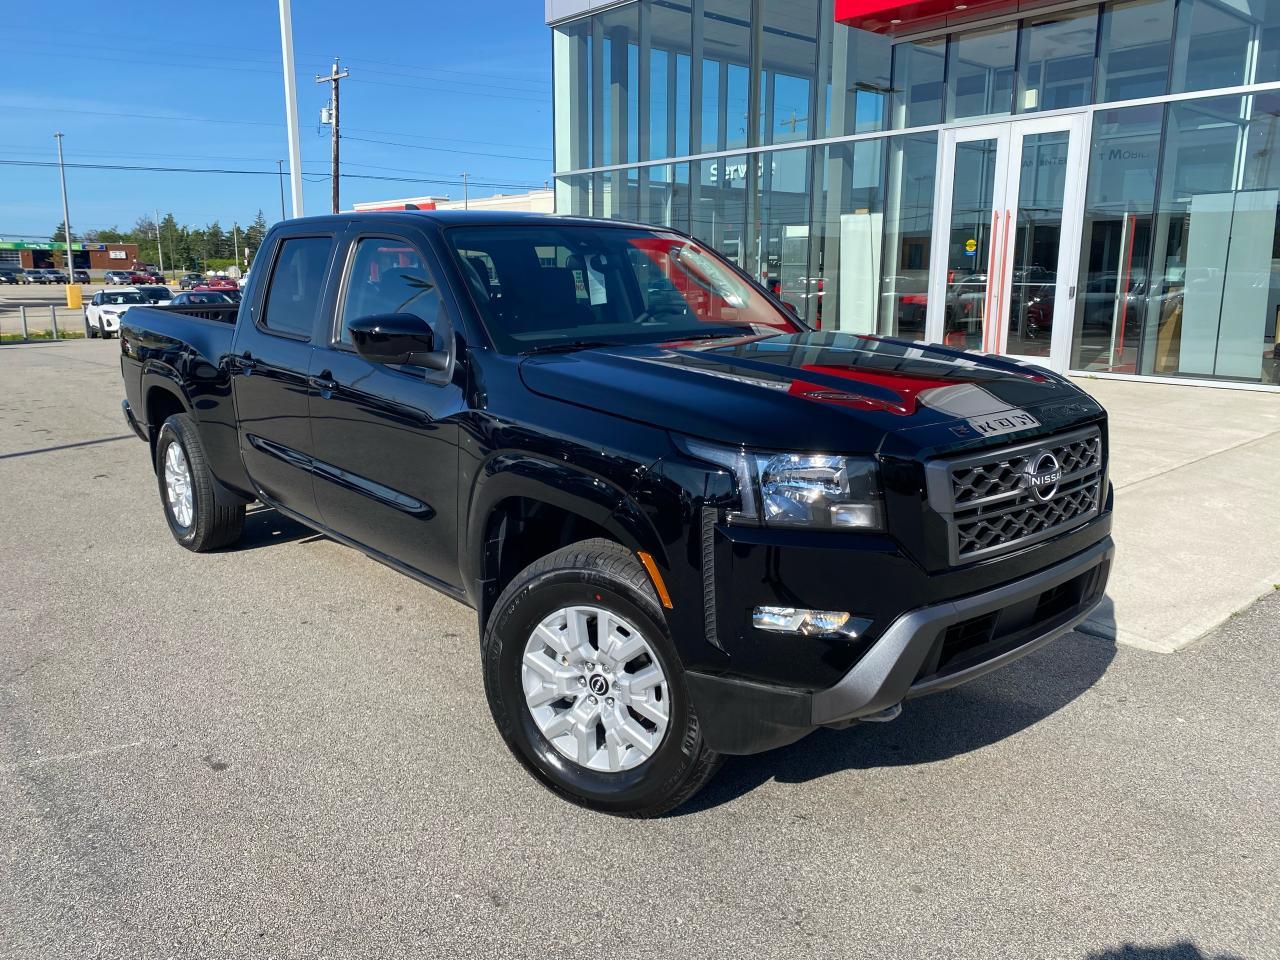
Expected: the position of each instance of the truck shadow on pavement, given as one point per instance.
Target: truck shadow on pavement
(933, 728)
(265, 527)
(1182, 950)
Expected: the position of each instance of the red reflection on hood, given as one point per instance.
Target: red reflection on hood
(907, 389)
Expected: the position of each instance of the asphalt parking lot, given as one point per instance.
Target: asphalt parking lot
(284, 750)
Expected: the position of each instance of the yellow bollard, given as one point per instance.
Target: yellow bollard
(74, 296)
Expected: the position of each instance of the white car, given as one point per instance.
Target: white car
(103, 312)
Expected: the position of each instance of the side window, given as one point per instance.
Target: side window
(388, 276)
(297, 285)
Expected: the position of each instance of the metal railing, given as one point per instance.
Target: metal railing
(41, 324)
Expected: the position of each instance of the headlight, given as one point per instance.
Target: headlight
(800, 489)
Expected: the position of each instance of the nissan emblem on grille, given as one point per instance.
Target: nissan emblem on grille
(1041, 476)
(1012, 496)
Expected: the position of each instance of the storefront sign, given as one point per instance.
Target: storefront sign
(890, 16)
(15, 245)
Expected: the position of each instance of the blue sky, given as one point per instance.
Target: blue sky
(446, 87)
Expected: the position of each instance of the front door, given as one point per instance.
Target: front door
(1006, 237)
(386, 437)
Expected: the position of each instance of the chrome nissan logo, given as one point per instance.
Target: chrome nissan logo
(598, 684)
(1042, 475)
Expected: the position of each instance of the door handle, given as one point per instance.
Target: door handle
(324, 383)
(247, 364)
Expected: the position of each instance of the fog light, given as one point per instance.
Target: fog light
(810, 623)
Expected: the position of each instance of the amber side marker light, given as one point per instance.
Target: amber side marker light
(656, 577)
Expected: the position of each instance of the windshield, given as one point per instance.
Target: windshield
(540, 286)
(123, 297)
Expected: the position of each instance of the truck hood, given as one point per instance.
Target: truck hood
(835, 392)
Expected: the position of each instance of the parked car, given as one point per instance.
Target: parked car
(689, 528)
(55, 275)
(200, 298)
(9, 276)
(118, 277)
(157, 296)
(105, 308)
(189, 280)
(34, 276)
(219, 283)
(80, 276)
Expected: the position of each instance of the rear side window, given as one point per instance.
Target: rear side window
(297, 286)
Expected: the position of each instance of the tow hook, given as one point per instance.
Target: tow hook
(884, 716)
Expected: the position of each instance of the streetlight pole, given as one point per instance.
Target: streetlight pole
(466, 197)
(280, 168)
(159, 245)
(66, 217)
(291, 107)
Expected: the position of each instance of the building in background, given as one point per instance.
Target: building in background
(1091, 186)
(535, 201)
(88, 256)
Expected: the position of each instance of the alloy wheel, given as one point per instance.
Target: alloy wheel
(177, 485)
(595, 688)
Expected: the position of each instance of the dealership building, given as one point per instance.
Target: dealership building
(1091, 186)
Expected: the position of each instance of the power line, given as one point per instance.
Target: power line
(264, 173)
(272, 58)
(264, 123)
(264, 160)
(434, 84)
(422, 136)
(472, 153)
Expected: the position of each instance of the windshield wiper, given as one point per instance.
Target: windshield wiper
(567, 346)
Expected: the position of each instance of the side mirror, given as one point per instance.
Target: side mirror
(397, 338)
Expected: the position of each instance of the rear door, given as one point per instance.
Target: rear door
(386, 437)
(270, 365)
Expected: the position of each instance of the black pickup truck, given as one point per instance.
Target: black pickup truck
(689, 525)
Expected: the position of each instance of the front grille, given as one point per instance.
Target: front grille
(987, 499)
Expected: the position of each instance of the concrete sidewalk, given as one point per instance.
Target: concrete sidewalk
(1197, 513)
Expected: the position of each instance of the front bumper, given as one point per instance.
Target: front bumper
(932, 648)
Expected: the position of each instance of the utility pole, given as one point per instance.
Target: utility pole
(280, 168)
(291, 107)
(466, 197)
(235, 244)
(159, 246)
(66, 217)
(333, 79)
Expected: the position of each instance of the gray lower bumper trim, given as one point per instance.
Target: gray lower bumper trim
(885, 676)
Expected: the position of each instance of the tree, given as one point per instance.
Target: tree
(60, 233)
(217, 243)
(253, 235)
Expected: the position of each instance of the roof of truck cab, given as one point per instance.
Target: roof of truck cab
(454, 218)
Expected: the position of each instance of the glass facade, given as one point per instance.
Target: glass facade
(833, 164)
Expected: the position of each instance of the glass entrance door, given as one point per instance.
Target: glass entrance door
(1006, 237)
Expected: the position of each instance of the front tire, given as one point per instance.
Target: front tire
(586, 688)
(196, 518)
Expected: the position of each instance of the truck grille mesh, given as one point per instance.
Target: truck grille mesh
(1004, 476)
(988, 504)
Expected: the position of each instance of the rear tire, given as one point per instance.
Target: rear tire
(196, 518)
(577, 649)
